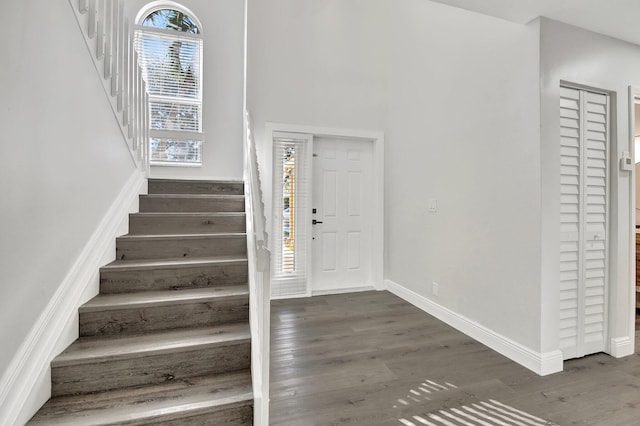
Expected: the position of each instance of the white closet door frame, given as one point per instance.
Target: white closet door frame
(634, 103)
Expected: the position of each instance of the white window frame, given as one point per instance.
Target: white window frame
(196, 136)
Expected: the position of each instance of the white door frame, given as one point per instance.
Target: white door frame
(634, 94)
(375, 137)
(621, 328)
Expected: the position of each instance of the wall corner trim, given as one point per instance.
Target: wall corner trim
(33, 358)
(540, 363)
(621, 347)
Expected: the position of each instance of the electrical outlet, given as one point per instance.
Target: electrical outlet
(435, 289)
(432, 204)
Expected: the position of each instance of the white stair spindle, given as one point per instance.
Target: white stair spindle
(100, 31)
(139, 109)
(145, 124)
(140, 113)
(115, 48)
(134, 112)
(131, 84)
(126, 67)
(136, 96)
(118, 69)
(108, 37)
(83, 6)
(91, 27)
(140, 121)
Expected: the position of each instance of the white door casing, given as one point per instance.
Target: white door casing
(343, 201)
(584, 221)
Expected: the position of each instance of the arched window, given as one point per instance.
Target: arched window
(169, 44)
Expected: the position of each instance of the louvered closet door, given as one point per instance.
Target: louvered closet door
(584, 139)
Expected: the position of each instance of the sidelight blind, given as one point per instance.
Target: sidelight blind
(291, 216)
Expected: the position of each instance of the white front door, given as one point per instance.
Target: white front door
(584, 221)
(342, 209)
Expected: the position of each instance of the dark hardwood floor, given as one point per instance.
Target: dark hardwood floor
(373, 359)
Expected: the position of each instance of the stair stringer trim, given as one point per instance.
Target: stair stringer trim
(541, 363)
(26, 384)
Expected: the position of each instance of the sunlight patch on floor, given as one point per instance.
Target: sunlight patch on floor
(484, 413)
(422, 392)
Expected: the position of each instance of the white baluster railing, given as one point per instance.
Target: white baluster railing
(109, 38)
(259, 258)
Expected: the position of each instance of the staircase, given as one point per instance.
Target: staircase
(166, 342)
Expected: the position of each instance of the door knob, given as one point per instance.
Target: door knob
(315, 222)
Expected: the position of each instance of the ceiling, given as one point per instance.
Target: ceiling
(613, 18)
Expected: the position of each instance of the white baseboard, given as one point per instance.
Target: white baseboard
(622, 346)
(24, 387)
(329, 291)
(540, 363)
(326, 292)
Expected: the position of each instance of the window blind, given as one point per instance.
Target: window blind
(172, 67)
(291, 216)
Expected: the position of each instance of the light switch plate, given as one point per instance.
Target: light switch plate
(432, 205)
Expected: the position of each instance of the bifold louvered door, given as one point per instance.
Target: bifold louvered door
(584, 214)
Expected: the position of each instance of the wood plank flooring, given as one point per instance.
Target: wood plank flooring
(373, 359)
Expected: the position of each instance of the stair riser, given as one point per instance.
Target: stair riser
(237, 415)
(131, 321)
(173, 278)
(182, 205)
(195, 187)
(110, 374)
(173, 248)
(157, 225)
(232, 414)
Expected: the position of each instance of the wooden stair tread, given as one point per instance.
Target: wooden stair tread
(205, 196)
(189, 214)
(92, 348)
(148, 403)
(191, 202)
(176, 246)
(121, 265)
(158, 298)
(153, 237)
(222, 181)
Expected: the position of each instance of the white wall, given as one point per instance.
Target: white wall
(65, 160)
(318, 63)
(578, 56)
(223, 81)
(462, 128)
(456, 94)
